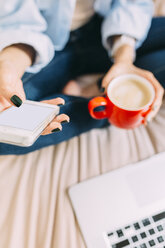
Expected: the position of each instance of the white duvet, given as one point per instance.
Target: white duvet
(35, 211)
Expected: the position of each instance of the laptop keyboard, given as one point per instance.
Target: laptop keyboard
(146, 233)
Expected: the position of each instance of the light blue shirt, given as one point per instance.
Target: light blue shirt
(45, 24)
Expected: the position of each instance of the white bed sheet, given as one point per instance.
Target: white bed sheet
(35, 211)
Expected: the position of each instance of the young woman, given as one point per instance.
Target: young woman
(46, 43)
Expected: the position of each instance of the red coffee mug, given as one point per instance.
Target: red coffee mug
(116, 114)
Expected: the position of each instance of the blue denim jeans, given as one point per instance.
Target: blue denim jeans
(84, 54)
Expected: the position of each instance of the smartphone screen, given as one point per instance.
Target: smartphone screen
(27, 116)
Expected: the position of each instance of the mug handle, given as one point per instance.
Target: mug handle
(97, 102)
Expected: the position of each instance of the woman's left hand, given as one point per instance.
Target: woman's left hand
(56, 124)
(123, 68)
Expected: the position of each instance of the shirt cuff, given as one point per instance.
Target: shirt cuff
(40, 42)
(135, 25)
(107, 34)
(122, 40)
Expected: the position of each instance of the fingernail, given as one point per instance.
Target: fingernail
(16, 100)
(102, 89)
(56, 130)
(65, 121)
(60, 104)
(99, 82)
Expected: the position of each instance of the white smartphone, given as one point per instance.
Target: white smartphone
(22, 126)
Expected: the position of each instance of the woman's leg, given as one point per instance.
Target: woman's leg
(154, 62)
(51, 78)
(83, 55)
(151, 56)
(156, 37)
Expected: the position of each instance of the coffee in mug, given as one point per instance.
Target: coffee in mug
(128, 100)
(130, 94)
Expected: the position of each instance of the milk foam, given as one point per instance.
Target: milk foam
(130, 94)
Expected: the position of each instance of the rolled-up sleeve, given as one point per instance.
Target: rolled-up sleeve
(129, 17)
(22, 22)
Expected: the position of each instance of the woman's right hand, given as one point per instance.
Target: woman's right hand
(11, 86)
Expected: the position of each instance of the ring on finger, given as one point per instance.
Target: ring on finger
(155, 107)
(149, 119)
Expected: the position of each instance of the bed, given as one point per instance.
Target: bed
(35, 208)
(35, 211)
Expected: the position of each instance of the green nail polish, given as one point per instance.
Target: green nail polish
(55, 130)
(102, 89)
(65, 121)
(16, 100)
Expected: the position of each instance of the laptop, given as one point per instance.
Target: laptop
(123, 208)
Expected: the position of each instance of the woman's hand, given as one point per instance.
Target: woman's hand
(14, 60)
(56, 123)
(11, 87)
(120, 68)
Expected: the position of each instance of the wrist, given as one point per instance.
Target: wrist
(18, 56)
(122, 48)
(125, 54)
(8, 68)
